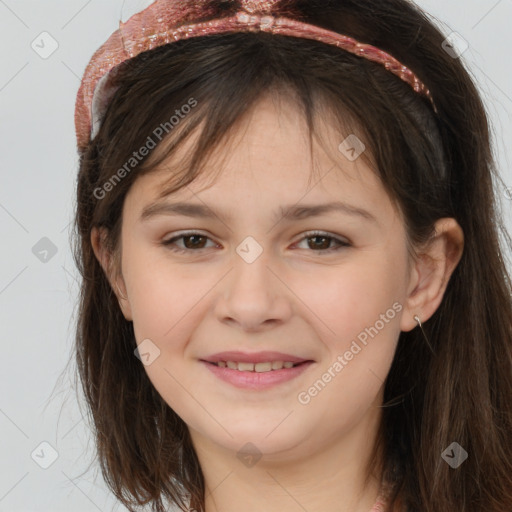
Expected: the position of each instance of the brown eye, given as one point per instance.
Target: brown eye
(191, 242)
(196, 241)
(321, 242)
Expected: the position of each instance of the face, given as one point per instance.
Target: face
(321, 286)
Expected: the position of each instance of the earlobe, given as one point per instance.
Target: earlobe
(105, 259)
(432, 272)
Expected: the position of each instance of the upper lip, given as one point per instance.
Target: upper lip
(255, 357)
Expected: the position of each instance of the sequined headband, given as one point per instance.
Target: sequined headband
(167, 21)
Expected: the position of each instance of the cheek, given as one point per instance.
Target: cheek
(359, 309)
(362, 332)
(359, 318)
(349, 299)
(156, 290)
(166, 303)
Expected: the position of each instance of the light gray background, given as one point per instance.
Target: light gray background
(38, 165)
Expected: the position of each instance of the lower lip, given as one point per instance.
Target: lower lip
(257, 380)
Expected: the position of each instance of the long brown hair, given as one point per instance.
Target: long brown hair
(434, 164)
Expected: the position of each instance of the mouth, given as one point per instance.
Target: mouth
(256, 371)
(268, 366)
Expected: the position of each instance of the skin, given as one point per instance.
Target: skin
(292, 299)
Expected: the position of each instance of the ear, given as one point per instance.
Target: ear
(431, 273)
(106, 260)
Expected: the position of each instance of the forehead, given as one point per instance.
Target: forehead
(269, 156)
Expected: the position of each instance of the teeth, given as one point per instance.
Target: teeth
(262, 367)
(256, 367)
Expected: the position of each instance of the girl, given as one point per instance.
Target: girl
(294, 296)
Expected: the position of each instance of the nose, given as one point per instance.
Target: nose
(254, 296)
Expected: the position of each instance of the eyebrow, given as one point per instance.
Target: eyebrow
(291, 212)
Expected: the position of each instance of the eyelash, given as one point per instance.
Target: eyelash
(311, 234)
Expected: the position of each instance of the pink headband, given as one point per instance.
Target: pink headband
(167, 21)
